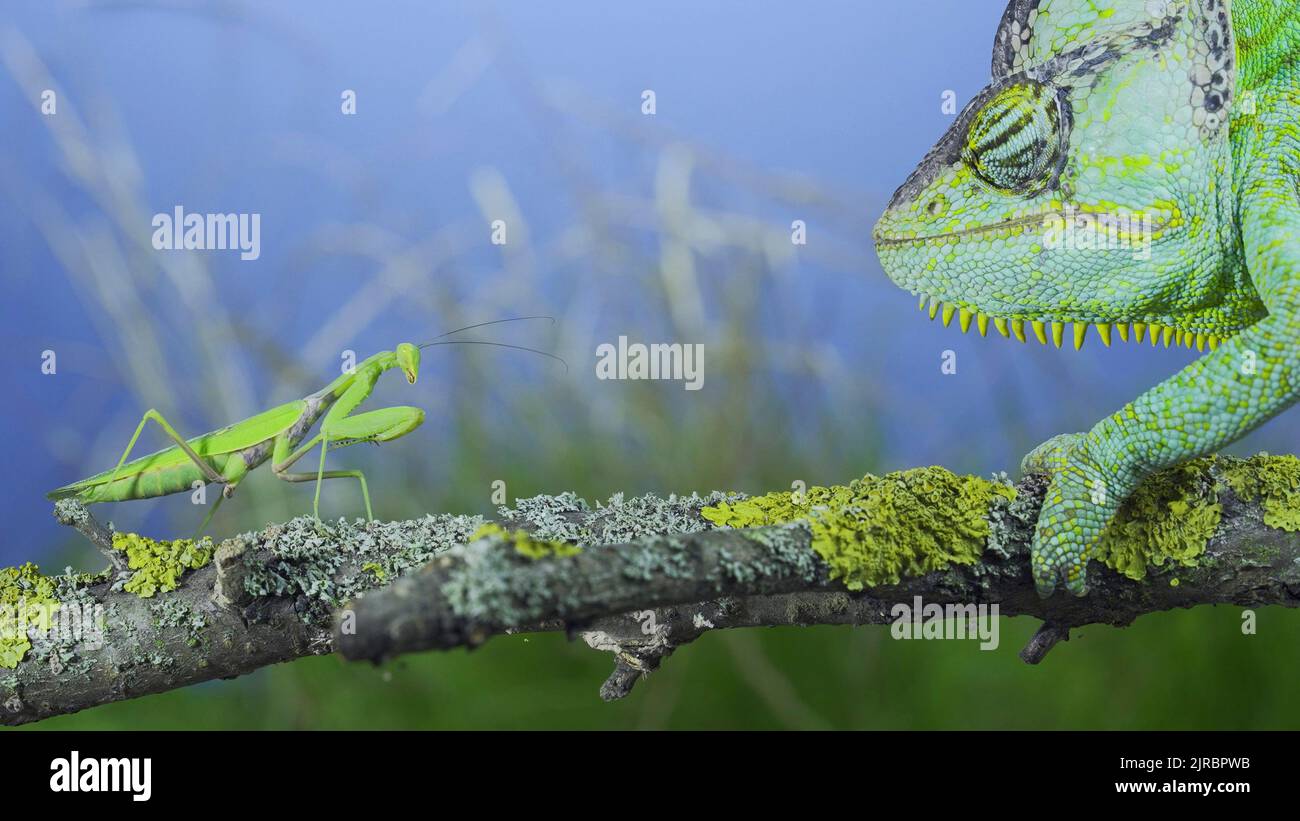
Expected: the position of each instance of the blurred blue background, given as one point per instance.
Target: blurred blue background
(675, 226)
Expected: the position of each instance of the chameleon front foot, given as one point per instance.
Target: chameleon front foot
(1080, 502)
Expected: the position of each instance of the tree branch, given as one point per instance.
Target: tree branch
(654, 575)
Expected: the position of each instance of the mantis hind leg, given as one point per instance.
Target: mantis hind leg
(221, 497)
(208, 471)
(336, 474)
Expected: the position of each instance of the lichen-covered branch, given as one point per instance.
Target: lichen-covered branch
(1214, 531)
(181, 613)
(636, 577)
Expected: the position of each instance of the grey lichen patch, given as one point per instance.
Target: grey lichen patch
(1012, 521)
(489, 580)
(324, 566)
(11, 693)
(174, 612)
(71, 512)
(154, 658)
(623, 519)
(77, 627)
(559, 518)
(569, 518)
(484, 583)
(73, 586)
(784, 555)
(118, 623)
(667, 556)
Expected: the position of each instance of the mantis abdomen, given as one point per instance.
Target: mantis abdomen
(228, 453)
(151, 481)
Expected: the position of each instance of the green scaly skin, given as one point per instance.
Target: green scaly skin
(1103, 114)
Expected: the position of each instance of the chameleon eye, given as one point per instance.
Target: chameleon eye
(1014, 141)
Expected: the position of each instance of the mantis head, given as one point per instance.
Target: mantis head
(408, 359)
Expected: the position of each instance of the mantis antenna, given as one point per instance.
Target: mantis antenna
(498, 345)
(490, 322)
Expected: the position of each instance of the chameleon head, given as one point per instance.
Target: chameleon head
(408, 359)
(1088, 183)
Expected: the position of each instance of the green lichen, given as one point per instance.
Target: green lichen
(525, 544)
(1274, 482)
(1169, 519)
(877, 529)
(27, 599)
(159, 565)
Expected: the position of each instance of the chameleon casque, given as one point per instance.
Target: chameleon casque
(1183, 112)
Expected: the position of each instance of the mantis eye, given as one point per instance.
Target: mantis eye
(1014, 143)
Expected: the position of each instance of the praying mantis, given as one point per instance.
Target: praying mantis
(227, 455)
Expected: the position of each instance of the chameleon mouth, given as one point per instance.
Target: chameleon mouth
(1124, 227)
(1054, 329)
(1024, 224)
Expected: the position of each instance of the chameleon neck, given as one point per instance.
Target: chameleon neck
(1268, 40)
(1267, 35)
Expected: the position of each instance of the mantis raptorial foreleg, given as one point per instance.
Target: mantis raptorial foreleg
(382, 425)
(208, 471)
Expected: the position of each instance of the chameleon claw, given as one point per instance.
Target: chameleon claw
(1076, 581)
(1047, 577)
(1044, 585)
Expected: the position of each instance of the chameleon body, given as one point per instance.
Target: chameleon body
(1161, 139)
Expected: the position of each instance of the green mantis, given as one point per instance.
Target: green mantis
(226, 456)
